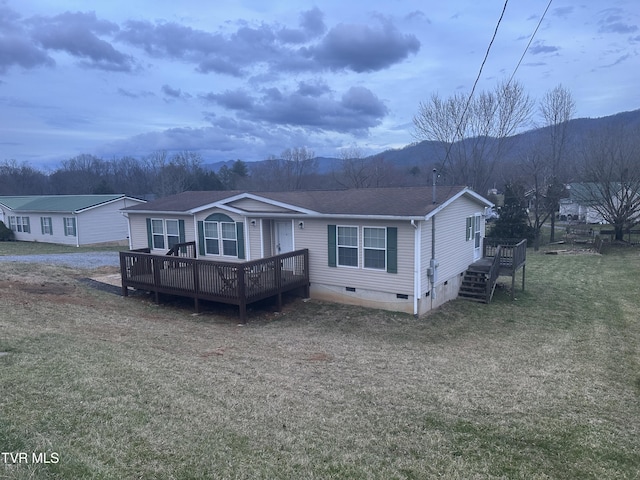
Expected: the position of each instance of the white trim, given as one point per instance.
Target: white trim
(247, 243)
(357, 247)
(417, 263)
(242, 196)
(450, 200)
(386, 249)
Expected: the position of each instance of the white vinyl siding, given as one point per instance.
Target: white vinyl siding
(314, 237)
(454, 251)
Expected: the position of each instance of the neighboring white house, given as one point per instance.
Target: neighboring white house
(390, 248)
(67, 219)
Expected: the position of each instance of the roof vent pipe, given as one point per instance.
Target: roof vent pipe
(433, 189)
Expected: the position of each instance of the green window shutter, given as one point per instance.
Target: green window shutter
(240, 235)
(332, 242)
(181, 236)
(42, 225)
(75, 230)
(50, 226)
(392, 249)
(468, 228)
(201, 245)
(149, 236)
(64, 226)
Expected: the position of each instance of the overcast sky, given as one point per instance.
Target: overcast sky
(249, 78)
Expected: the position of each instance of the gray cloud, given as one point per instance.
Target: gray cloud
(78, 35)
(355, 112)
(16, 48)
(562, 12)
(612, 21)
(345, 47)
(539, 48)
(364, 49)
(311, 26)
(130, 94)
(174, 93)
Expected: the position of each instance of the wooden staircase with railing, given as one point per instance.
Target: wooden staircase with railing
(474, 285)
(499, 258)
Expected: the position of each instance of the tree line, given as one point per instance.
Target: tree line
(476, 139)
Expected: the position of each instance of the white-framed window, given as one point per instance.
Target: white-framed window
(157, 233)
(47, 225)
(221, 232)
(229, 239)
(173, 233)
(347, 244)
(69, 224)
(375, 247)
(211, 238)
(20, 224)
(476, 231)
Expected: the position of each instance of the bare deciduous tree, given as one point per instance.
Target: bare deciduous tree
(611, 173)
(557, 108)
(474, 130)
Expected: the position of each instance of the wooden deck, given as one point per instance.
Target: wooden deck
(500, 258)
(236, 283)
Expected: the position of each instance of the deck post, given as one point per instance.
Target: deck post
(123, 275)
(279, 283)
(307, 292)
(241, 294)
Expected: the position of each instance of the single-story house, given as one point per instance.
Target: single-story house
(67, 219)
(579, 205)
(401, 249)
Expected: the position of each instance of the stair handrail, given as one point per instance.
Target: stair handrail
(494, 273)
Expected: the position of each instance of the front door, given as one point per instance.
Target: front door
(477, 234)
(284, 236)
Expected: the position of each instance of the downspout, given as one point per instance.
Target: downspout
(433, 263)
(247, 241)
(126, 215)
(75, 216)
(196, 235)
(417, 261)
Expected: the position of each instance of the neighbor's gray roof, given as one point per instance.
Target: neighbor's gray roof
(56, 203)
(396, 201)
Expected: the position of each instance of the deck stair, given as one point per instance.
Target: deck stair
(474, 285)
(499, 258)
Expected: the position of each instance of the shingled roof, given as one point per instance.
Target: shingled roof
(395, 201)
(56, 203)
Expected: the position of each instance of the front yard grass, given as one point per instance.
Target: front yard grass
(41, 248)
(546, 386)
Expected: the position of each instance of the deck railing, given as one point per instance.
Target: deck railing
(184, 249)
(237, 283)
(508, 257)
(493, 274)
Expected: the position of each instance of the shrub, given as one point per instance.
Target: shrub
(6, 234)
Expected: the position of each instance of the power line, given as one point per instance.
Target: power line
(475, 83)
(530, 40)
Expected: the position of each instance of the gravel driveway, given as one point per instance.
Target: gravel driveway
(78, 260)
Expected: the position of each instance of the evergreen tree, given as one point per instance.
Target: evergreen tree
(513, 222)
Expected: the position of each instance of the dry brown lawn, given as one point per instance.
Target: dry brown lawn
(547, 386)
